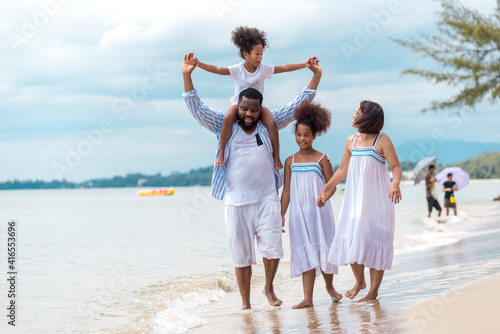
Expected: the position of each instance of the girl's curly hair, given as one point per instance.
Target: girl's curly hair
(313, 115)
(246, 38)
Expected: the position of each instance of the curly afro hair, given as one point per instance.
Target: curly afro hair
(314, 115)
(246, 38)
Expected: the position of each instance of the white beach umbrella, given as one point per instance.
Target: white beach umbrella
(459, 176)
(421, 170)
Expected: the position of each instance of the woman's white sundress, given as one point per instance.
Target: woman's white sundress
(365, 230)
(311, 228)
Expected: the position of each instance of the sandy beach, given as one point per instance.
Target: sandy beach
(446, 289)
(472, 308)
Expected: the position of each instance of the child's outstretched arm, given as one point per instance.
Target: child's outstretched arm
(389, 152)
(285, 195)
(295, 67)
(339, 175)
(211, 68)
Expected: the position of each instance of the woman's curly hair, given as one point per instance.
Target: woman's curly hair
(314, 115)
(246, 38)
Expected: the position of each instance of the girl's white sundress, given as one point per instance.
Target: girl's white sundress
(311, 228)
(365, 230)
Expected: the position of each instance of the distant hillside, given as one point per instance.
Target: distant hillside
(447, 151)
(485, 166)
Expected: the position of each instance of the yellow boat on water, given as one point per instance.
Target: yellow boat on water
(157, 192)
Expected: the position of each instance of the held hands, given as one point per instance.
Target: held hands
(283, 224)
(323, 197)
(311, 60)
(395, 194)
(189, 63)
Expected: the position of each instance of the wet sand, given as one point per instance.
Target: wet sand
(416, 277)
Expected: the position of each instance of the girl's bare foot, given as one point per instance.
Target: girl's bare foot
(355, 290)
(303, 304)
(334, 294)
(271, 297)
(368, 297)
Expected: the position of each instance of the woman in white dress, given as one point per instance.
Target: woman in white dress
(365, 230)
(311, 229)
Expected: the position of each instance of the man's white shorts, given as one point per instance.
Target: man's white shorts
(245, 222)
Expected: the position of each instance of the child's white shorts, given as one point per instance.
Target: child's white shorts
(245, 222)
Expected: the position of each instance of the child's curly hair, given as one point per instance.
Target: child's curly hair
(313, 115)
(246, 38)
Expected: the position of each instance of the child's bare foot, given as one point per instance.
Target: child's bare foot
(334, 294)
(355, 290)
(271, 297)
(220, 160)
(303, 304)
(368, 297)
(277, 162)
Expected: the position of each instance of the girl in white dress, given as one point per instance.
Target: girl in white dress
(311, 229)
(365, 230)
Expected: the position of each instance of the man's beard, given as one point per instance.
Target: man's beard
(243, 125)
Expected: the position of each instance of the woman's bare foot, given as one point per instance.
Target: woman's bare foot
(271, 297)
(303, 304)
(355, 290)
(246, 307)
(368, 297)
(334, 294)
(220, 159)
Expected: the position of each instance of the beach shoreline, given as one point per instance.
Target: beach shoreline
(440, 279)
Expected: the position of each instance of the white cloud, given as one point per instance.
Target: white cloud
(90, 54)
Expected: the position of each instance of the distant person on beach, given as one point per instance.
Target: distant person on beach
(311, 229)
(249, 178)
(250, 73)
(430, 182)
(449, 196)
(365, 230)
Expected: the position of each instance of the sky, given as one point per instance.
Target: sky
(92, 89)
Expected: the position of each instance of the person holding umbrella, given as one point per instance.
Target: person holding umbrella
(430, 181)
(449, 196)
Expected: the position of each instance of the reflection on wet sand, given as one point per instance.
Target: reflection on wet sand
(275, 321)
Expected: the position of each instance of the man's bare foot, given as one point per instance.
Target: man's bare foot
(368, 297)
(220, 160)
(303, 304)
(334, 294)
(355, 290)
(246, 307)
(271, 297)
(277, 162)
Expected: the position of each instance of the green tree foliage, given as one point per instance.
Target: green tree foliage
(485, 166)
(467, 46)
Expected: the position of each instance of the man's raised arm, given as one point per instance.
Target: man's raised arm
(284, 115)
(187, 68)
(207, 117)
